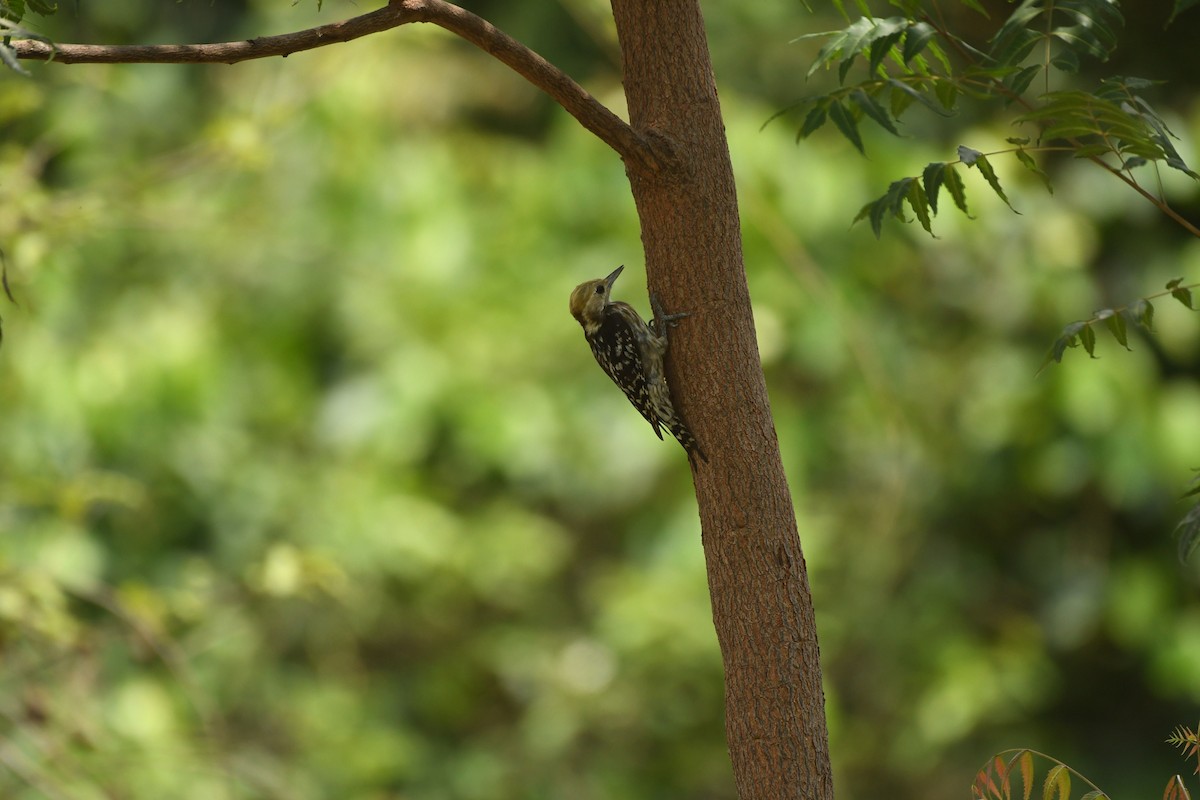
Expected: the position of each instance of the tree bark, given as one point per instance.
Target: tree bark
(762, 605)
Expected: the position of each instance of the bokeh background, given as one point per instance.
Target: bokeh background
(310, 488)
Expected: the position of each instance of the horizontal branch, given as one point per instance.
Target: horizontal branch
(590, 112)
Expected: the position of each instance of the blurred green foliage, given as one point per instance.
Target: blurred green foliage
(309, 486)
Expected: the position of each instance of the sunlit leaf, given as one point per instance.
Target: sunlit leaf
(1058, 784)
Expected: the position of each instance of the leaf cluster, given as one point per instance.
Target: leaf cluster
(913, 60)
(11, 14)
(994, 781)
(1082, 333)
(1188, 741)
(921, 195)
(1115, 121)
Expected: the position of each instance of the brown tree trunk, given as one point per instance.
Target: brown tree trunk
(762, 606)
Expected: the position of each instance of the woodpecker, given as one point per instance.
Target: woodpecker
(631, 353)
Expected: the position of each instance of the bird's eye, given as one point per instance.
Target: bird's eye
(600, 289)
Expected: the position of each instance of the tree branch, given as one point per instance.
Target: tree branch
(589, 111)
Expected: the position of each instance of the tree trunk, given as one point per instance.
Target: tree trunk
(762, 606)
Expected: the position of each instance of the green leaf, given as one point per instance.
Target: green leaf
(880, 47)
(932, 176)
(813, 120)
(13, 10)
(1174, 282)
(920, 205)
(877, 212)
(1115, 323)
(954, 185)
(940, 55)
(1080, 27)
(918, 35)
(1019, 81)
(892, 202)
(1066, 61)
(946, 92)
(1068, 338)
(1087, 338)
(1031, 165)
(1143, 314)
(846, 123)
(918, 96)
(1014, 40)
(1183, 295)
(873, 110)
(985, 168)
(866, 35)
(899, 102)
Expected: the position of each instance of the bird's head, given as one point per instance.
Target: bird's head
(589, 299)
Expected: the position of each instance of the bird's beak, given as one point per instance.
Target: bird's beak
(612, 277)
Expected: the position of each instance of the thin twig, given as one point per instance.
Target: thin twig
(590, 112)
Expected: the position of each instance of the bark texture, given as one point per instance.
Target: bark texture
(762, 606)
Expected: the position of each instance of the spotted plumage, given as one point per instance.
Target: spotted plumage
(631, 353)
